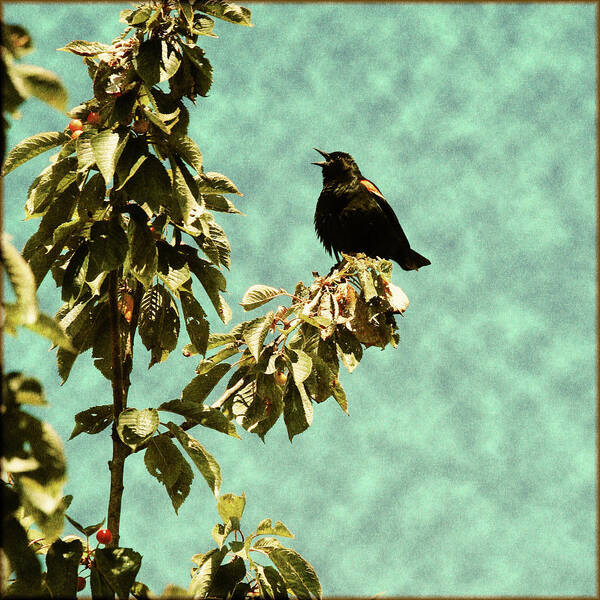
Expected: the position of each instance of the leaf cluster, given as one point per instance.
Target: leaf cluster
(128, 192)
(220, 572)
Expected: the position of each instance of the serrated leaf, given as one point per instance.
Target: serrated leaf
(188, 208)
(159, 323)
(204, 461)
(257, 295)
(298, 573)
(119, 566)
(165, 462)
(198, 389)
(84, 48)
(213, 282)
(300, 364)
(108, 245)
(231, 507)
(255, 333)
(187, 148)
(93, 420)
(201, 414)
(106, 146)
(52, 181)
(348, 348)
(228, 11)
(220, 532)
(156, 61)
(172, 266)
(270, 583)
(143, 255)
(297, 410)
(215, 183)
(195, 320)
(150, 183)
(136, 426)
(32, 146)
(219, 203)
(340, 396)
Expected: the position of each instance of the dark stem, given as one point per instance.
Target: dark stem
(120, 450)
(135, 315)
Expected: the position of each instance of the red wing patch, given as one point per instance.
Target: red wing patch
(372, 188)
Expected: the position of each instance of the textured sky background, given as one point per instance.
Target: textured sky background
(467, 464)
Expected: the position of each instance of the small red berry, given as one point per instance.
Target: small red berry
(93, 118)
(76, 134)
(75, 124)
(104, 536)
(186, 353)
(80, 583)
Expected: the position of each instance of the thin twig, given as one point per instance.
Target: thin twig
(227, 394)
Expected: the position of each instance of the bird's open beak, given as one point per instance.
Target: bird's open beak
(324, 155)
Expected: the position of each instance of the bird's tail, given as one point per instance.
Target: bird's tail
(413, 261)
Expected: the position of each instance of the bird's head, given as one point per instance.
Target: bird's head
(337, 166)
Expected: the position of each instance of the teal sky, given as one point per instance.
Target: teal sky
(467, 464)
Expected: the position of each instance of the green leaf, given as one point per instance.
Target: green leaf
(198, 389)
(52, 181)
(22, 280)
(297, 410)
(220, 532)
(143, 255)
(201, 414)
(187, 207)
(195, 320)
(165, 462)
(119, 566)
(340, 396)
(227, 578)
(197, 67)
(32, 146)
(136, 426)
(47, 327)
(188, 150)
(228, 11)
(298, 573)
(300, 364)
(231, 507)
(156, 61)
(213, 281)
(108, 245)
(150, 183)
(348, 348)
(62, 562)
(93, 420)
(91, 200)
(204, 461)
(207, 567)
(266, 527)
(257, 295)
(83, 48)
(159, 323)
(43, 84)
(172, 266)
(106, 148)
(215, 183)
(270, 583)
(219, 203)
(255, 333)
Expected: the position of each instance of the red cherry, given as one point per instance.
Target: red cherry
(75, 124)
(280, 378)
(104, 536)
(80, 583)
(93, 118)
(186, 353)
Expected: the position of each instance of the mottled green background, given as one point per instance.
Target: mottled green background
(467, 464)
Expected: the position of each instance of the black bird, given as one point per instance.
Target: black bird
(353, 216)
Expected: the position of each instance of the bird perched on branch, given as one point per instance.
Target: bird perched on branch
(353, 216)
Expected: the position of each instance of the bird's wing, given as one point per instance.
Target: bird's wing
(387, 210)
